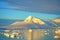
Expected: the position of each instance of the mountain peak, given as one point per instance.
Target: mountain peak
(57, 20)
(31, 19)
(30, 16)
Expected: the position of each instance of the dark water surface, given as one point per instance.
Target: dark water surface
(30, 34)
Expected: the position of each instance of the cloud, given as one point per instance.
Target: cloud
(35, 5)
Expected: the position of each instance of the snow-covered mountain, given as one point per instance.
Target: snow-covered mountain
(31, 19)
(57, 21)
(32, 22)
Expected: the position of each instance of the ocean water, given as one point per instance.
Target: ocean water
(30, 34)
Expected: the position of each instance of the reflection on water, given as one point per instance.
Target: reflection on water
(30, 34)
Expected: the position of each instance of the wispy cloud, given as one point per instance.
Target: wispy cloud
(35, 5)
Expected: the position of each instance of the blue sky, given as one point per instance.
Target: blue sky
(21, 15)
(20, 9)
